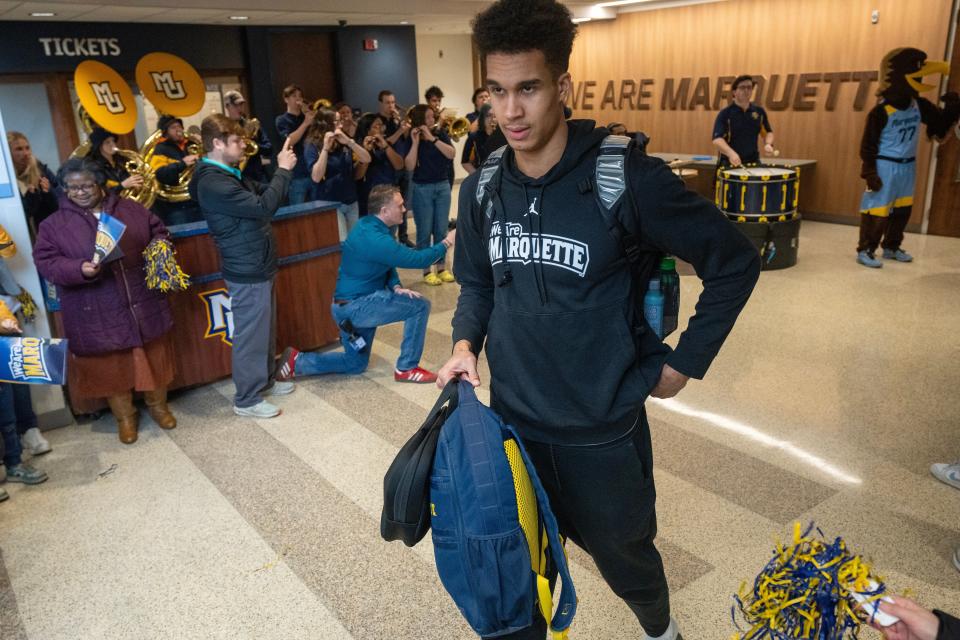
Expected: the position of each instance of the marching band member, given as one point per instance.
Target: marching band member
(431, 160)
(385, 159)
(480, 97)
(476, 149)
(293, 125)
(332, 157)
(235, 108)
(103, 151)
(346, 121)
(737, 127)
(170, 159)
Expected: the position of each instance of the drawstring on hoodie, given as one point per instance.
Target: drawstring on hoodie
(536, 245)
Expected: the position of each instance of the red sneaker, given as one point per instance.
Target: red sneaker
(416, 374)
(286, 364)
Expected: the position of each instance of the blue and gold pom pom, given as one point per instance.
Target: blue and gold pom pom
(805, 592)
(28, 306)
(163, 272)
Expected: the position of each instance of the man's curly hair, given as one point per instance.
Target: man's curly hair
(517, 26)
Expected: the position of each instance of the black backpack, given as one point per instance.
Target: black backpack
(614, 198)
(406, 485)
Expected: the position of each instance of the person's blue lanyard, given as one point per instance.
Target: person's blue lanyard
(233, 170)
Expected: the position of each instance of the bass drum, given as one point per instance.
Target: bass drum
(758, 193)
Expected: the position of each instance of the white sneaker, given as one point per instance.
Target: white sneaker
(262, 409)
(672, 632)
(34, 442)
(947, 473)
(280, 388)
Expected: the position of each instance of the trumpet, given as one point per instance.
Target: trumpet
(316, 105)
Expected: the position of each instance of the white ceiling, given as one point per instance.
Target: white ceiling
(429, 16)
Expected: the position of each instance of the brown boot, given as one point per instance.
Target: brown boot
(157, 406)
(126, 415)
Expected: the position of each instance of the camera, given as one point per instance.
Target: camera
(342, 22)
(355, 340)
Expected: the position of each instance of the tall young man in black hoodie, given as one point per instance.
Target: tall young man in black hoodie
(552, 302)
(239, 214)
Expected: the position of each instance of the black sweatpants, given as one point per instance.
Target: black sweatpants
(603, 497)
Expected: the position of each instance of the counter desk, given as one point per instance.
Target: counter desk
(308, 248)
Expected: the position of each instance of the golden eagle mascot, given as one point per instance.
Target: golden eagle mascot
(889, 148)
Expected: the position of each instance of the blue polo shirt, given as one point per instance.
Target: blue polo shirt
(741, 128)
(370, 257)
(287, 123)
(380, 170)
(432, 166)
(338, 184)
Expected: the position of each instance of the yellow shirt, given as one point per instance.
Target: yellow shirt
(7, 247)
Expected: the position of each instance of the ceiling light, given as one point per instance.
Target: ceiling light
(404, 22)
(43, 14)
(239, 17)
(581, 19)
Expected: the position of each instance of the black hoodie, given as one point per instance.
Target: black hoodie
(563, 363)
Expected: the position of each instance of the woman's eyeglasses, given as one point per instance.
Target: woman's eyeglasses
(78, 188)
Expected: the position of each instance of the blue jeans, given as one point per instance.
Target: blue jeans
(431, 212)
(23, 406)
(10, 446)
(347, 216)
(366, 314)
(298, 190)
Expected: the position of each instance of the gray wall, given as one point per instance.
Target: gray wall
(392, 66)
(26, 109)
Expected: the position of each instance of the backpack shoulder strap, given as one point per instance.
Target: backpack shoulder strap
(613, 192)
(488, 169)
(611, 170)
(566, 608)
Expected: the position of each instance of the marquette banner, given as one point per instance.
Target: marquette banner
(170, 84)
(109, 231)
(33, 360)
(106, 96)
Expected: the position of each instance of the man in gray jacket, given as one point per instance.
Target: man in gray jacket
(238, 212)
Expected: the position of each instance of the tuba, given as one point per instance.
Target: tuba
(456, 127)
(178, 192)
(134, 164)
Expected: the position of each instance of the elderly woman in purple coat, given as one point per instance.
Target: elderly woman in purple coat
(118, 331)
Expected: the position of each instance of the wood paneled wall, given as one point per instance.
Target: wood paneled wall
(763, 37)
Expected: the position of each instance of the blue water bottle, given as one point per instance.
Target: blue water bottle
(653, 307)
(670, 287)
